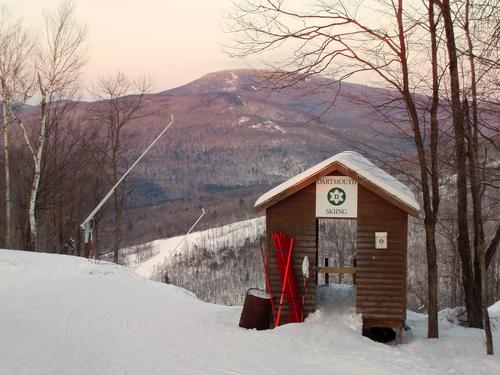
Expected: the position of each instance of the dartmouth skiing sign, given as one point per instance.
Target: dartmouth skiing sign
(336, 197)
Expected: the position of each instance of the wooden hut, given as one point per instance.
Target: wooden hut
(347, 185)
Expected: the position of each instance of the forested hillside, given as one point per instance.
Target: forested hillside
(233, 138)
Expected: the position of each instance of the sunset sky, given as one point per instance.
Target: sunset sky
(173, 41)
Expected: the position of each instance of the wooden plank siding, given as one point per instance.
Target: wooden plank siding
(296, 217)
(380, 273)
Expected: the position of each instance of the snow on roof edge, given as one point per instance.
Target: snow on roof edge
(357, 163)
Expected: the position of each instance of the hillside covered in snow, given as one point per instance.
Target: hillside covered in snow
(218, 264)
(67, 315)
(213, 239)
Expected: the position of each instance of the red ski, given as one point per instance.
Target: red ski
(283, 245)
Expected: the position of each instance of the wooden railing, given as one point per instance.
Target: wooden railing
(350, 270)
(328, 270)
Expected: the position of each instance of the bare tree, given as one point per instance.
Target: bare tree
(120, 102)
(16, 47)
(58, 67)
(466, 130)
(335, 38)
(66, 177)
(342, 39)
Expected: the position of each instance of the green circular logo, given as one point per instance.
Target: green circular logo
(336, 196)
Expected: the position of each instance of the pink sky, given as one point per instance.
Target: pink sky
(173, 41)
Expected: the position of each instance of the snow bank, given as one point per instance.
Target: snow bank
(458, 315)
(494, 310)
(337, 304)
(66, 315)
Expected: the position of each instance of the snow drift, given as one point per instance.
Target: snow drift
(66, 315)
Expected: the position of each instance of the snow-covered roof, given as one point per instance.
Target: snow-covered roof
(356, 163)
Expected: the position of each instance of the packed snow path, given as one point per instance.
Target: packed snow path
(66, 315)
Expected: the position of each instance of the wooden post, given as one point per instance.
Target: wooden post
(327, 276)
(354, 274)
(90, 250)
(399, 335)
(316, 260)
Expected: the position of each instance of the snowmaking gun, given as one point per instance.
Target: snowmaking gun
(88, 224)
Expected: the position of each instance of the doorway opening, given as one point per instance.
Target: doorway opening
(336, 251)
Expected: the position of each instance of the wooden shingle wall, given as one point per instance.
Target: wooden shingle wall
(294, 216)
(380, 273)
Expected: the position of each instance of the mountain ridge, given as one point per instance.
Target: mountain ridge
(230, 142)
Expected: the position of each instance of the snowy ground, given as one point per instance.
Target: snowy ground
(66, 315)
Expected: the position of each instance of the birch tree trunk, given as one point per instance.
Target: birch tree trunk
(16, 46)
(8, 226)
(37, 159)
(57, 74)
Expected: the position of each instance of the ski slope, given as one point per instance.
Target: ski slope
(66, 315)
(232, 235)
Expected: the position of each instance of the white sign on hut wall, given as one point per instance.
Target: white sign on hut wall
(336, 196)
